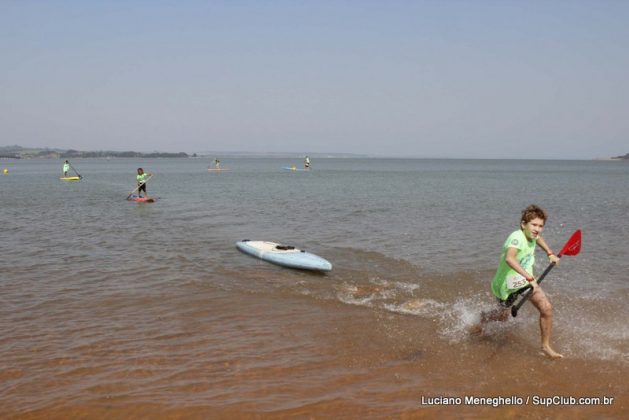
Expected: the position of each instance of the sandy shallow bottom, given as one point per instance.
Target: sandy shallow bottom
(250, 355)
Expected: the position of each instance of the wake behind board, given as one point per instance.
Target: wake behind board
(70, 178)
(286, 256)
(141, 199)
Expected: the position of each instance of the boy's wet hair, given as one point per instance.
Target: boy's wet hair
(531, 212)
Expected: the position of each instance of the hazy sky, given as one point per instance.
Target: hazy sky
(496, 79)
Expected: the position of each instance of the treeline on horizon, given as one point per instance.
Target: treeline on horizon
(100, 154)
(18, 152)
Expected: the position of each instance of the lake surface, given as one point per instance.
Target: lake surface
(115, 308)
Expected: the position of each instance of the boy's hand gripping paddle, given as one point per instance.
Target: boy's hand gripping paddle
(572, 247)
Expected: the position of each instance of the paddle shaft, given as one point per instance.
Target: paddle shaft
(136, 188)
(516, 308)
(75, 171)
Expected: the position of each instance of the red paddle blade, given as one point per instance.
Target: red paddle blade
(573, 246)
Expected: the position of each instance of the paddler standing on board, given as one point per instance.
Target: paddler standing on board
(66, 168)
(515, 273)
(142, 178)
(307, 163)
(217, 164)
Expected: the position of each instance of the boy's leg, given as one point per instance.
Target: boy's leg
(501, 313)
(545, 309)
(498, 314)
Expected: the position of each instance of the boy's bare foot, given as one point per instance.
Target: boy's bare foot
(551, 353)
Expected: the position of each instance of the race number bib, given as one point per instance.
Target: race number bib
(516, 281)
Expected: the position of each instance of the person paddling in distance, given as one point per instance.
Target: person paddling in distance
(515, 273)
(142, 178)
(66, 168)
(307, 163)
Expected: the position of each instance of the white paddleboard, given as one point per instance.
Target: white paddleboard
(286, 256)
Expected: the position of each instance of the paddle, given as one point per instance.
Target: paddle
(136, 188)
(572, 247)
(75, 171)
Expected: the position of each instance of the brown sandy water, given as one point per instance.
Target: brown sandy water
(199, 351)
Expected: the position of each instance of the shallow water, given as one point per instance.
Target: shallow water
(118, 308)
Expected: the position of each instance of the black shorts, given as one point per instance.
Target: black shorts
(510, 300)
(142, 188)
(507, 302)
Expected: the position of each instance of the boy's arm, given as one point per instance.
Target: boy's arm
(551, 255)
(512, 261)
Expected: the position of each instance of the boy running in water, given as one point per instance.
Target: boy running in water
(515, 273)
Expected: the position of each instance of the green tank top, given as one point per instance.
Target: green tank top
(507, 280)
(141, 178)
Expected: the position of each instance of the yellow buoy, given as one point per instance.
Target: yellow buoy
(5, 171)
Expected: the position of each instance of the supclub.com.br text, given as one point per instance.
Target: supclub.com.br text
(535, 400)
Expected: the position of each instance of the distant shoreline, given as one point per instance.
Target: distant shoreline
(18, 152)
